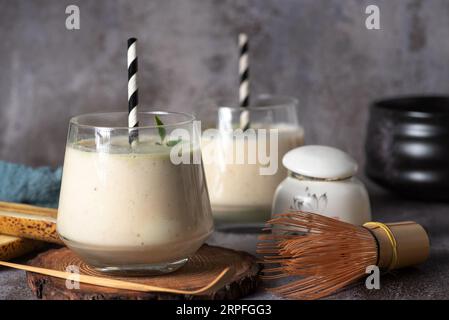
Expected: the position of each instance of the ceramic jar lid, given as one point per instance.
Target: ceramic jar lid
(320, 162)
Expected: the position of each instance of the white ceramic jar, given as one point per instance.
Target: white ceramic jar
(322, 180)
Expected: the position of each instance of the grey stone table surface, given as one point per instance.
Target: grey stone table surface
(427, 281)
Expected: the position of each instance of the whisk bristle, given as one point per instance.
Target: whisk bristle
(325, 253)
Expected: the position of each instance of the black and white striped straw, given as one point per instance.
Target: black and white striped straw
(133, 97)
(244, 79)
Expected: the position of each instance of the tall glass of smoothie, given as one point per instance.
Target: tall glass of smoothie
(241, 180)
(138, 208)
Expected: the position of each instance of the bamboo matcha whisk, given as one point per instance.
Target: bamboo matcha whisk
(328, 254)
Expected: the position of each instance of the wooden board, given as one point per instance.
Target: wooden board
(205, 265)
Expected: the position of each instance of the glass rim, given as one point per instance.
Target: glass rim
(284, 101)
(75, 120)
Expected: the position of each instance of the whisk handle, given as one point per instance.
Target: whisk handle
(400, 244)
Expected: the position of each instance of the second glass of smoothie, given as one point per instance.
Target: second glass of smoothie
(134, 207)
(240, 195)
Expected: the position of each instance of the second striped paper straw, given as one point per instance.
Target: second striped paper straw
(243, 44)
(133, 97)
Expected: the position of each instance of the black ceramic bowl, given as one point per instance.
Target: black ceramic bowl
(407, 146)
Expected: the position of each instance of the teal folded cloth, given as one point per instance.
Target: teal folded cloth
(36, 186)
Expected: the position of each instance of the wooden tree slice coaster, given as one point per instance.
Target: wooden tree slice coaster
(204, 266)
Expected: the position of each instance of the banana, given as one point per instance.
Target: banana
(28, 222)
(13, 247)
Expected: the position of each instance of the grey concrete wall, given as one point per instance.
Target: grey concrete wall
(316, 50)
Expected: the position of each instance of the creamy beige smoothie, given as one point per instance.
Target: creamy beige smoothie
(132, 206)
(238, 192)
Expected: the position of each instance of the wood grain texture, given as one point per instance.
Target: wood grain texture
(205, 265)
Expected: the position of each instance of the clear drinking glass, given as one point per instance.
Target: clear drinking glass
(241, 181)
(139, 207)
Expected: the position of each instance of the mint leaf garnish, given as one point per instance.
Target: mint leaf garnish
(160, 128)
(172, 143)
